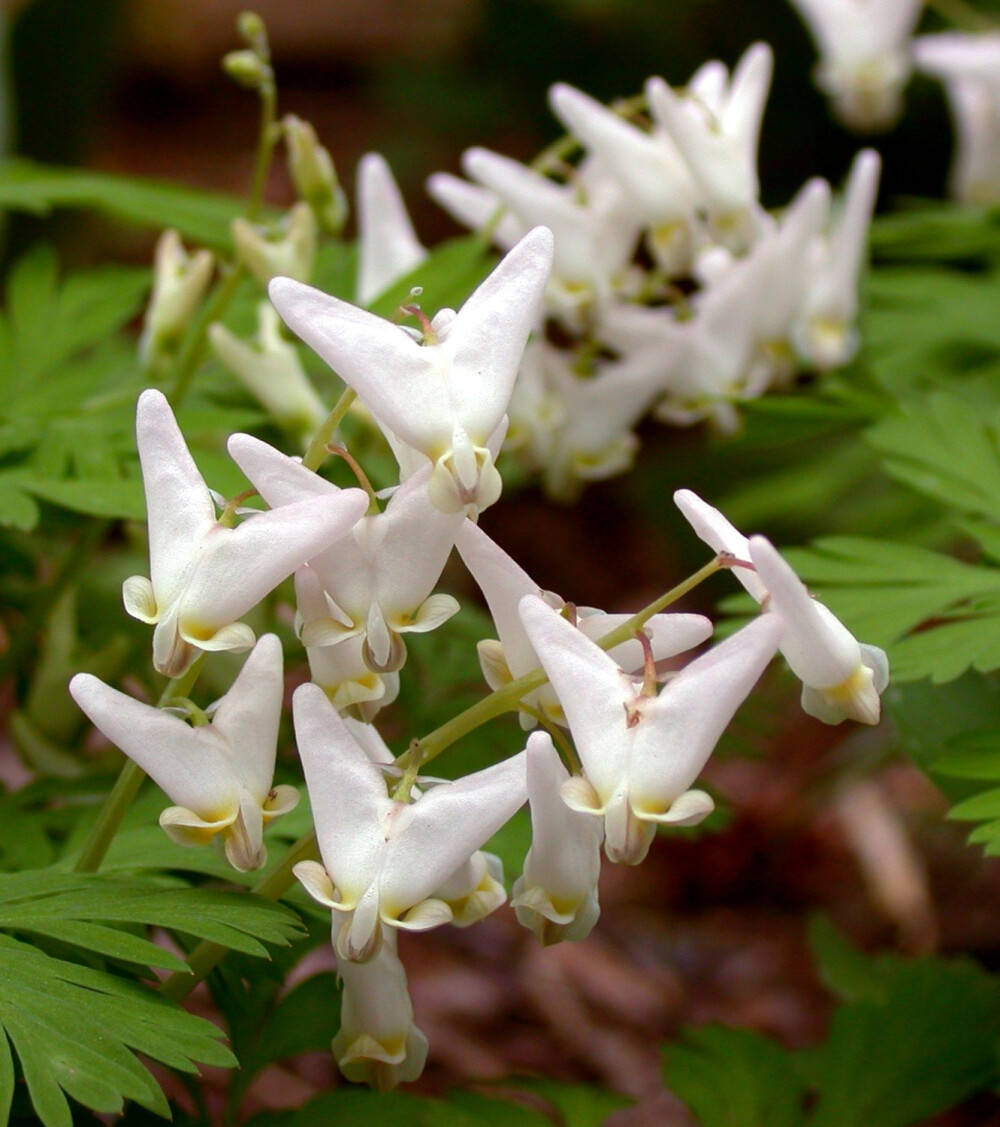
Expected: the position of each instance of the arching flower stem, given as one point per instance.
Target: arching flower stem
(508, 698)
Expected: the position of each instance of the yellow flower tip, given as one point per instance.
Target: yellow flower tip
(187, 828)
(856, 696)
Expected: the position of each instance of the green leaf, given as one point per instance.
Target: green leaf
(929, 1043)
(845, 970)
(735, 1078)
(91, 1057)
(972, 755)
(83, 909)
(200, 216)
(946, 448)
(576, 1105)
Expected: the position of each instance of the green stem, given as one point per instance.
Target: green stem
(207, 955)
(192, 352)
(315, 456)
(962, 15)
(267, 139)
(126, 786)
(508, 698)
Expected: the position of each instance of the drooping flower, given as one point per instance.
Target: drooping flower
(864, 50)
(842, 678)
(314, 176)
(556, 897)
(377, 1043)
(641, 752)
(384, 860)
(448, 396)
(288, 251)
(220, 773)
(204, 575)
(969, 67)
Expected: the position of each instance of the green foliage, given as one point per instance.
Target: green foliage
(203, 217)
(910, 1039)
(90, 1057)
(521, 1104)
(67, 388)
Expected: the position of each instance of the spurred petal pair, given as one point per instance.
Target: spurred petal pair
(448, 396)
(204, 576)
(219, 774)
(641, 753)
(841, 677)
(386, 859)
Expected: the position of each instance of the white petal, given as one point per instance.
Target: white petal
(388, 247)
(713, 528)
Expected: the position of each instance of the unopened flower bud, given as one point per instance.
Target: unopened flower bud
(248, 69)
(289, 252)
(314, 175)
(253, 32)
(179, 284)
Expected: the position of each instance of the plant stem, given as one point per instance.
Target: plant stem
(126, 786)
(508, 698)
(317, 452)
(207, 955)
(266, 140)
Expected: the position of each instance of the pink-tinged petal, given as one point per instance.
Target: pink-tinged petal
(388, 247)
(179, 507)
(280, 480)
(487, 338)
(713, 528)
(249, 716)
(678, 730)
(347, 793)
(591, 689)
(188, 764)
(445, 827)
(404, 384)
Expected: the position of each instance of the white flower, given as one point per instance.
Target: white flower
(842, 678)
(447, 397)
(377, 1042)
(204, 575)
(504, 584)
(715, 125)
(385, 859)
(179, 283)
(340, 670)
(825, 334)
(641, 753)
(652, 174)
(271, 370)
(380, 576)
(969, 67)
(220, 773)
(556, 897)
(388, 247)
(864, 50)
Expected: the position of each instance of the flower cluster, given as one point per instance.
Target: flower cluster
(670, 287)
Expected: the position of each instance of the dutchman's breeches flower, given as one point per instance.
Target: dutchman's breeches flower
(445, 397)
(377, 1043)
(205, 575)
(389, 862)
(219, 774)
(842, 678)
(641, 752)
(556, 897)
